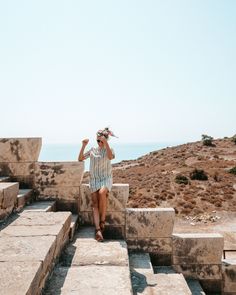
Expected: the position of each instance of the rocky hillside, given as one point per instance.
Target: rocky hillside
(168, 177)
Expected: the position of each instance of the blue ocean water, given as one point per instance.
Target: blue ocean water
(69, 152)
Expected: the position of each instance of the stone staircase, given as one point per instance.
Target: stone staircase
(42, 250)
(89, 267)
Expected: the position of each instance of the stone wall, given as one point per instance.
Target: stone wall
(198, 256)
(18, 157)
(150, 230)
(59, 181)
(116, 208)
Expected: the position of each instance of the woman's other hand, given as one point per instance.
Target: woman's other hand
(85, 142)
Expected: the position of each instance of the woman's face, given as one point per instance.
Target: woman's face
(100, 143)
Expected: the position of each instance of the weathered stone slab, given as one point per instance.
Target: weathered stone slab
(200, 271)
(90, 280)
(20, 149)
(149, 222)
(62, 174)
(40, 218)
(229, 276)
(8, 198)
(41, 206)
(140, 263)
(89, 251)
(20, 277)
(171, 284)
(26, 248)
(159, 284)
(158, 245)
(22, 172)
(64, 193)
(117, 198)
(197, 248)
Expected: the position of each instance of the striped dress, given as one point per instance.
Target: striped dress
(100, 169)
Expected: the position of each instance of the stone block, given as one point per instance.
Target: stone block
(8, 198)
(20, 149)
(159, 284)
(229, 276)
(15, 249)
(90, 280)
(197, 248)
(200, 271)
(20, 277)
(22, 172)
(88, 252)
(149, 222)
(64, 193)
(158, 245)
(117, 198)
(58, 174)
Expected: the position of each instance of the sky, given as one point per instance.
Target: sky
(153, 70)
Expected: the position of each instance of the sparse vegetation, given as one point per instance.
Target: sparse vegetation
(233, 170)
(207, 140)
(181, 179)
(198, 174)
(234, 139)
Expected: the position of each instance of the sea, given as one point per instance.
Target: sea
(124, 151)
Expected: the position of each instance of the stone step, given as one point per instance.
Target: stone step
(164, 282)
(8, 198)
(193, 284)
(5, 178)
(29, 249)
(24, 197)
(89, 267)
(41, 206)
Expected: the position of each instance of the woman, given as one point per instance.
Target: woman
(100, 177)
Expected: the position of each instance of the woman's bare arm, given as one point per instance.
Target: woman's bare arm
(81, 153)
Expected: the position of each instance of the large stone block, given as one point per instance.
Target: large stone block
(197, 248)
(90, 280)
(149, 222)
(148, 245)
(20, 277)
(28, 249)
(88, 252)
(58, 174)
(8, 198)
(117, 198)
(20, 149)
(229, 277)
(200, 271)
(66, 193)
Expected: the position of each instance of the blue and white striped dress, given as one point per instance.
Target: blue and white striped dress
(100, 169)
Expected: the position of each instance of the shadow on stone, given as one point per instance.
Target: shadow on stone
(139, 282)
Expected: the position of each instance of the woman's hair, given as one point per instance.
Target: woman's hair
(106, 132)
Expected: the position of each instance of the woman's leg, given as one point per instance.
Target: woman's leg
(95, 209)
(102, 203)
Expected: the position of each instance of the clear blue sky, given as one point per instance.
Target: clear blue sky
(155, 71)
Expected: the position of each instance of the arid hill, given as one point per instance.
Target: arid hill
(153, 182)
